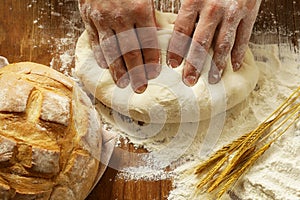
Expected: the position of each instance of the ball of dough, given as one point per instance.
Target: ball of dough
(167, 99)
(50, 136)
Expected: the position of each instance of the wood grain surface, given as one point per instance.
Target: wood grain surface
(46, 32)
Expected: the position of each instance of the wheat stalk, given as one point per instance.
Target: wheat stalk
(237, 174)
(255, 156)
(249, 141)
(220, 153)
(212, 172)
(229, 163)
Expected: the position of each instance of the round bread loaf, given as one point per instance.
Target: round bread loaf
(50, 135)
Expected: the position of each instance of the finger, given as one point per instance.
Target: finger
(119, 73)
(112, 55)
(190, 75)
(98, 54)
(132, 55)
(151, 53)
(200, 45)
(146, 32)
(94, 41)
(181, 36)
(241, 44)
(223, 46)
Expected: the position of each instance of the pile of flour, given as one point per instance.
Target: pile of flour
(276, 175)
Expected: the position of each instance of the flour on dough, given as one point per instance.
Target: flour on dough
(167, 99)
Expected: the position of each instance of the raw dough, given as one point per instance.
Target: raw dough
(167, 99)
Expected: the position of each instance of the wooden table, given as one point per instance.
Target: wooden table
(46, 32)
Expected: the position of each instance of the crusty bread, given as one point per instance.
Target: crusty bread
(50, 136)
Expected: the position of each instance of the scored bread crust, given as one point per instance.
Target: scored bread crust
(50, 135)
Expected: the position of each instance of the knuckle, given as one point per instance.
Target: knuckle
(251, 4)
(180, 28)
(107, 42)
(226, 41)
(149, 42)
(231, 18)
(224, 47)
(234, 13)
(140, 7)
(118, 16)
(128, 45)
(152, 56)
(131, 55)
(119, 20)
(96, 16)
(213, 12)
(214, 6)
(200, 42)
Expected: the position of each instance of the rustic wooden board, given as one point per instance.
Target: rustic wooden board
(46, 32)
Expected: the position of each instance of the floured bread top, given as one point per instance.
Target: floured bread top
(49, 135)
(167, 98)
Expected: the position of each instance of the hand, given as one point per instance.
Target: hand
(123, 38)
(224, 24)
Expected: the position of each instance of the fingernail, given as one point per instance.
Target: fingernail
(236, 66)
(122, 83)
(214, 75)
(190, 80)
(173, 63)
(141, 89)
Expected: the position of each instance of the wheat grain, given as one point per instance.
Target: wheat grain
(224, 171)
(247, 164)
(220, 153)
(212, 172)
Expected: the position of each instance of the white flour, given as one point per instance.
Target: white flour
(275, 176)
(60, 46)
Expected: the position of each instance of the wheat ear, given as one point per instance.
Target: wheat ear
(225, 171)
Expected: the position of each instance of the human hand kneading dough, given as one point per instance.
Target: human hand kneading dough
(123, 38)
(224, 25)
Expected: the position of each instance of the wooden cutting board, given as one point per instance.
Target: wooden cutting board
(46, 32)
